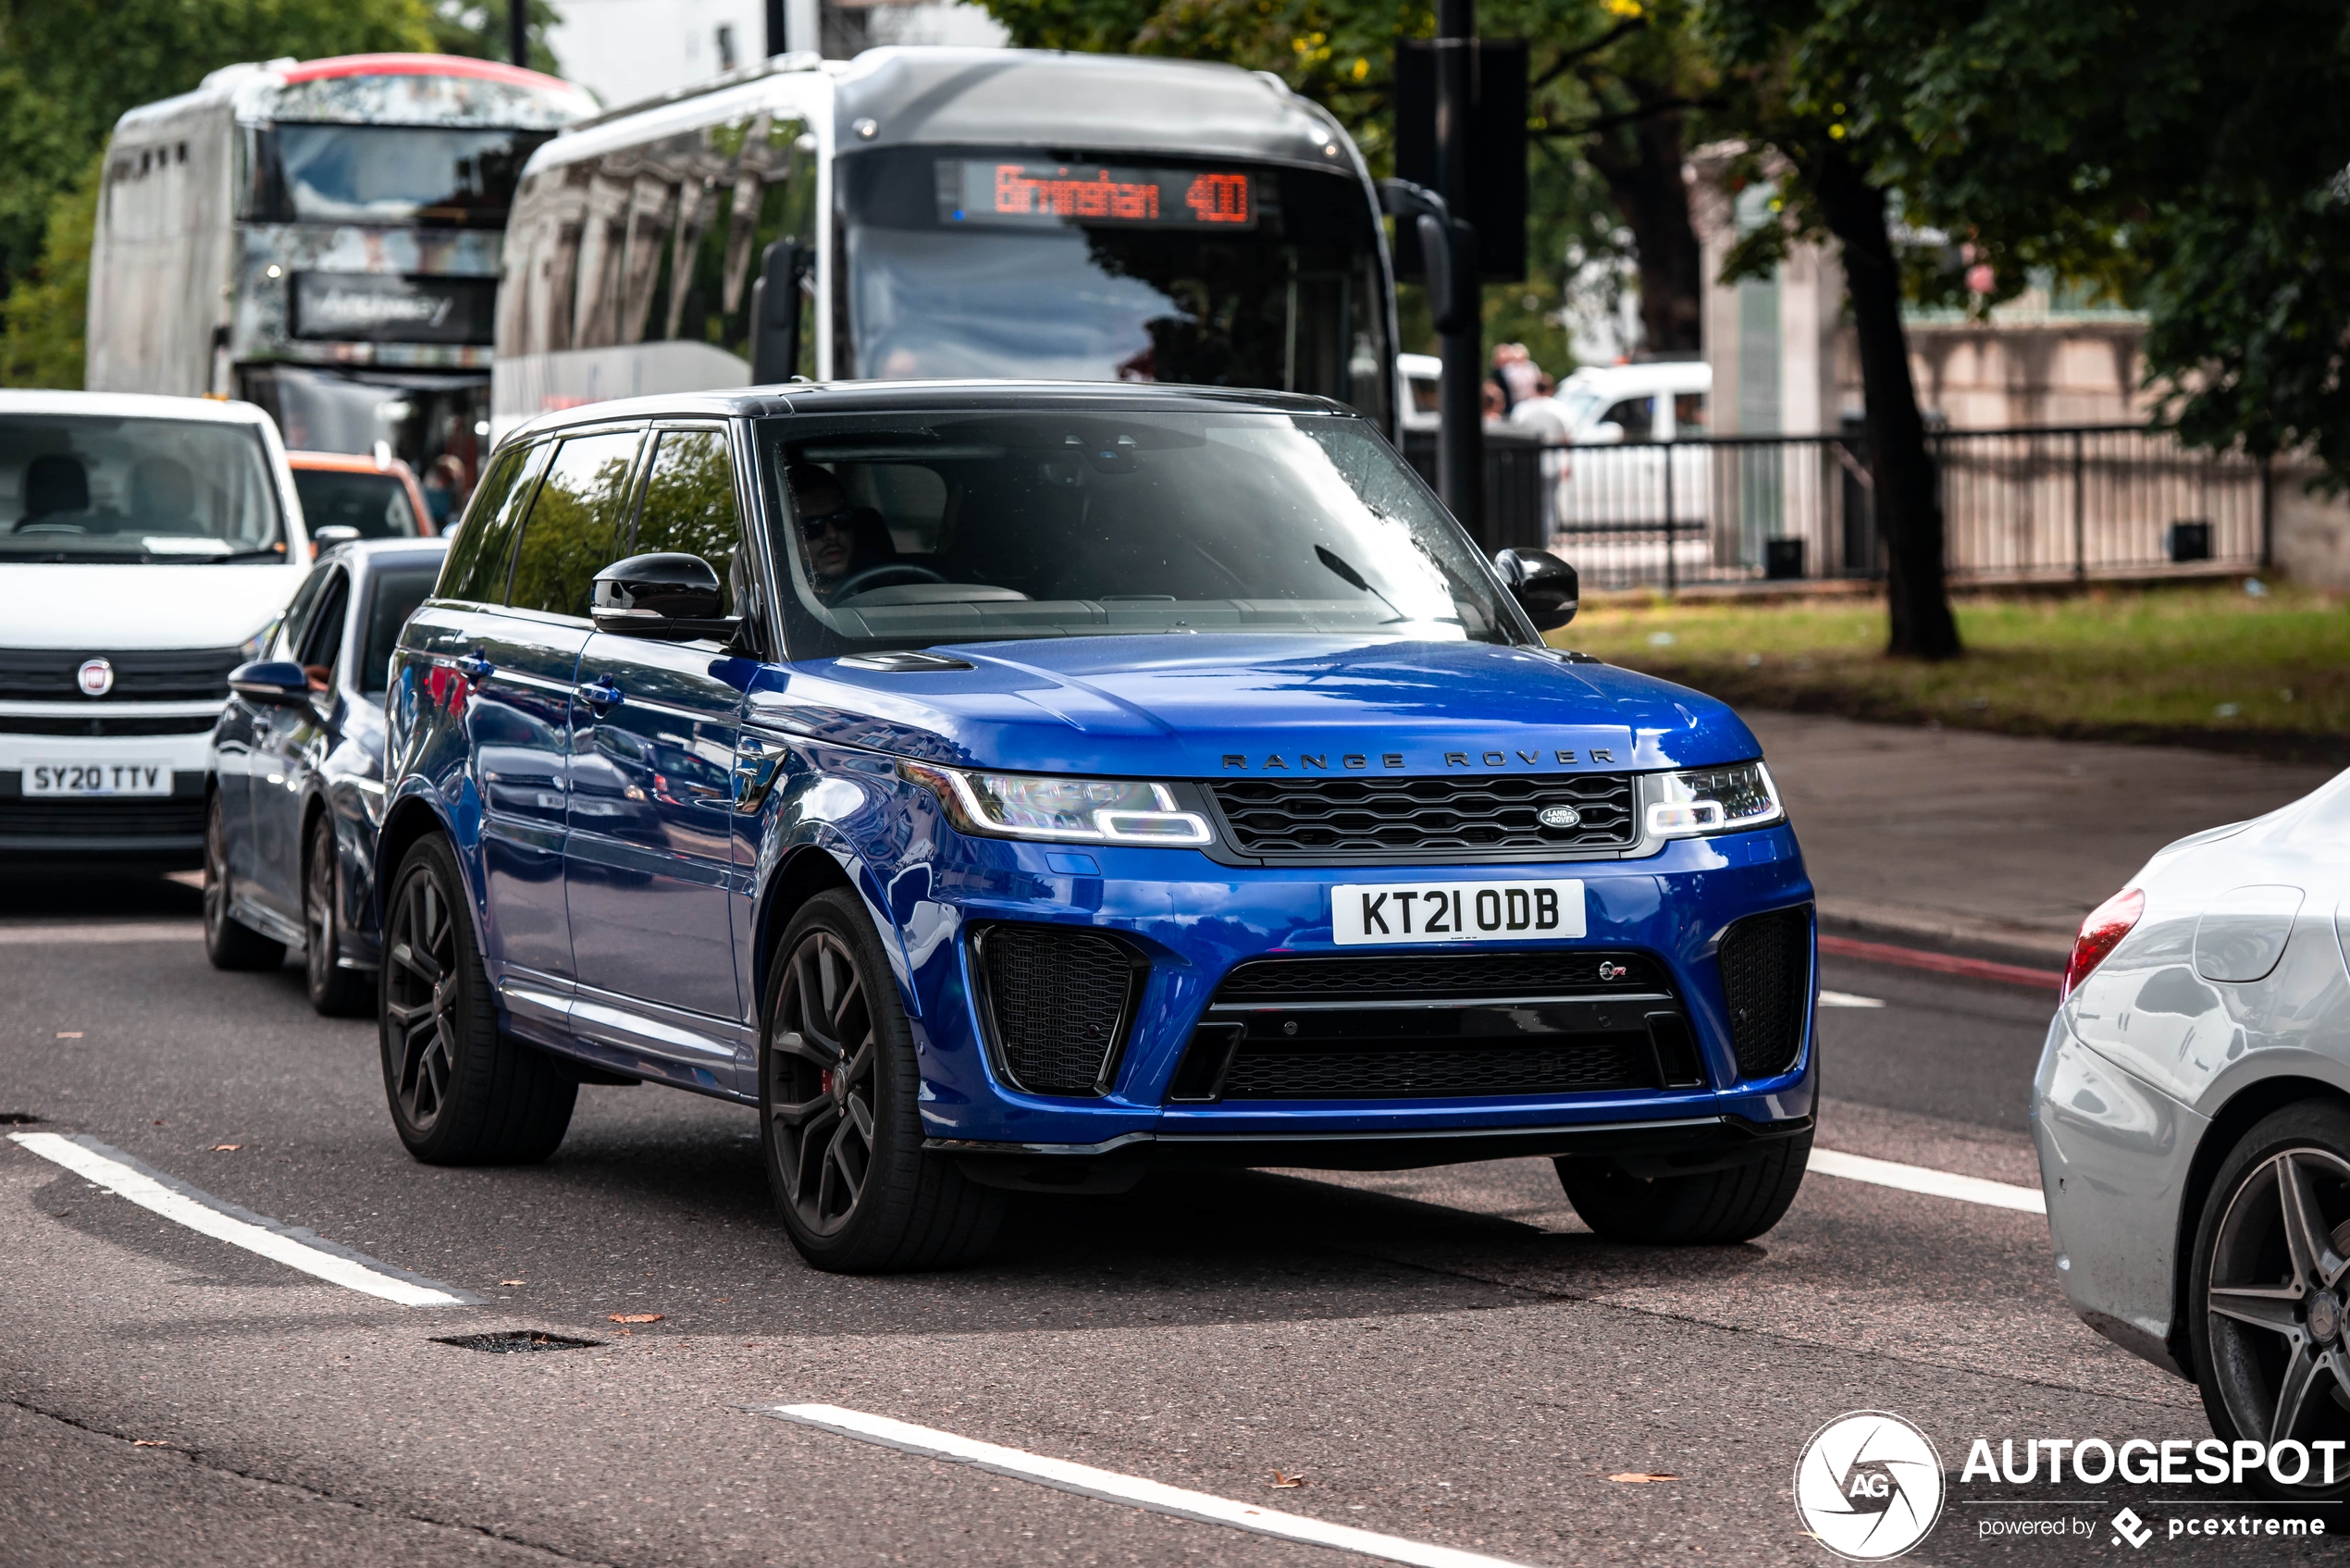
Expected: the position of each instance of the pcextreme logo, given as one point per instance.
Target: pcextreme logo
(1869, 1485)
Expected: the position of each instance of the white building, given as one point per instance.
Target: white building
(628, 50)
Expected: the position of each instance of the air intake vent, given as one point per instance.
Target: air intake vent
(1318, 821)
(1059, 1001)
(1766, 978)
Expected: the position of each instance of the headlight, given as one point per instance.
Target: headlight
(1042, 806)
(1705, 800)
(257, 645)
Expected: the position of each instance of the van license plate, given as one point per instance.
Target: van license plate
(110, 780)
(1454, 911)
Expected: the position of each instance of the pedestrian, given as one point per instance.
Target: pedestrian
(445, 490)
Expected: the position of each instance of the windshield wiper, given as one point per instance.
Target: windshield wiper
(1347, 574)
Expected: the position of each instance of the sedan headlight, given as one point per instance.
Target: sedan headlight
(257, 645)
(1708, 800)
(1047, 807)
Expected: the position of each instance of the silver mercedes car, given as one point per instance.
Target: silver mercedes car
(2192, 1110)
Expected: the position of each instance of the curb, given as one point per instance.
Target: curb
(1941, 932)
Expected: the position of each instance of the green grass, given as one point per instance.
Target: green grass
(2201, 665)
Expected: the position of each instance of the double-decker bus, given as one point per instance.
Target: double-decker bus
(948, 212)
(321, 238)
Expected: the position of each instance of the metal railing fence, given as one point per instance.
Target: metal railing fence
(2026, 506)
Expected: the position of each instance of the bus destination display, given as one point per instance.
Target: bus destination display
(1003, 192)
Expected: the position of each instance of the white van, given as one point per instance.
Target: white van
(147, 546)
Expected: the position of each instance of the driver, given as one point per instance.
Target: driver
(827, 527)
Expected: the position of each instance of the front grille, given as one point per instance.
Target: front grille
(1315, 820)
(1571, 1067)
(105, 724)
(42, 674)
(1058, 1001)
(160, 817)
(1374, 1027)
(1766, 978)
(1492, 974)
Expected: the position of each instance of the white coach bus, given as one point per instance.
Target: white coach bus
(948, 213)
(322, 239)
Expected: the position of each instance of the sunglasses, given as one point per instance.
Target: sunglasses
(831, 521)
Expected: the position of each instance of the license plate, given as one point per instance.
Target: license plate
(1454, 911)
(110, 779)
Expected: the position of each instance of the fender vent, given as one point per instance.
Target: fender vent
(1059, 1002)
(1767, 979)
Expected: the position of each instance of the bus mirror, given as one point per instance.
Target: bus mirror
(1436, 255)
(774, 313)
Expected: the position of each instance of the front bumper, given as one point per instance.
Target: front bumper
(1194, 921)
(145, 830)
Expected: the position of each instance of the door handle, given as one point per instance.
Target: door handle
(599, 694)
(472, 666)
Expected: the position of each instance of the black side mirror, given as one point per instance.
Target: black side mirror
(277, 681)
(1545, 586)
(775, 312)
(672, 596)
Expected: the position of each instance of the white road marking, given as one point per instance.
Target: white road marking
(1132, 1490)
(1846, 999)
(117, 930)
(1934, 1183)
(202, 1212)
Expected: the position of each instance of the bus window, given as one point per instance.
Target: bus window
(443, 176)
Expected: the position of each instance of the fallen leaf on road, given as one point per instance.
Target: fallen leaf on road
(1281, 1480)
(639, 1317)
(514, 1282)
(149, 1443)
(1639, 1477)
(226, 1148)
(69, 1035)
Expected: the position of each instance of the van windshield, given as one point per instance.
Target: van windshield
(904, 530)
(92, 488)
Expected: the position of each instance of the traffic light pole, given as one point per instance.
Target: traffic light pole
(518, 32)
(1460, 447)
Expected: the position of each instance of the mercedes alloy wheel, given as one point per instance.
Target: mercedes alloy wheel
(2272, 1288)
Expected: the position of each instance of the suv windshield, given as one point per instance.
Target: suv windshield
(82, 487)
(909, 529)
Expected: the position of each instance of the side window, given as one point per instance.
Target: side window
(573, 529)
(475, 569)
(1689, 414)
(1634, 415)
(322, 641)
(689, 503)
(296, 622)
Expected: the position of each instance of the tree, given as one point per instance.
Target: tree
(41, 336)
(1793, 71)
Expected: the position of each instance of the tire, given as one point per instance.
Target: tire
(2266, 1317)
(840, 1129)
(335, 992)
(460, 1093)
(1709, 1208)
(228, 943)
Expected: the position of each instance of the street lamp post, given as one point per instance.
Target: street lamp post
(518, 32)
(1460, 455)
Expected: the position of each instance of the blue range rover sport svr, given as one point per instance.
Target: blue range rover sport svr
(1022, 787)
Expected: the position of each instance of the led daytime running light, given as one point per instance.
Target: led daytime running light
(988, 805)
(1710, 800)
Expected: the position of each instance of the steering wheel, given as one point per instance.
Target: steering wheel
(871, 577)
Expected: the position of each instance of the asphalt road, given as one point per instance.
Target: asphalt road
(1447, 1356)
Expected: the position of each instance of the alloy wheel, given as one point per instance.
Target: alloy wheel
(318, 909)
(216, 867)
(2278, 1299)
(821, 1089)
(421, 998)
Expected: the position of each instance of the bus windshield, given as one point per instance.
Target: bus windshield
(445, 176)
(92, 488)
(904, 530)
(1233, 276)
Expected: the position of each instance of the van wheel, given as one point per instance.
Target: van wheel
(228, 943)
(460, 1093)
(2269, 1295)
(841, 1130)
(1709, 1208)
(335, 992)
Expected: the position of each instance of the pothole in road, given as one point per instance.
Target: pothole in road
(18, 1119)
(518, 1342)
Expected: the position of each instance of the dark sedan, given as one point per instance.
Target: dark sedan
(289, 831)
